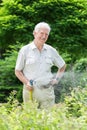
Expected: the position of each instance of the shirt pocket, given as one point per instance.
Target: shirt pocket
(30, 60)
(49, 60)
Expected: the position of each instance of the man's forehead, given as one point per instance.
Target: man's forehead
(44, 30)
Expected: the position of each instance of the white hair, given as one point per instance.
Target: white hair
(41, 25)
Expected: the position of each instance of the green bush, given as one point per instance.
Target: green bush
(69, 81)
(7, 67)
(6, 90)
(16, 116)
(68, 20)
(8, 80)
(77, 102)
(80, 65)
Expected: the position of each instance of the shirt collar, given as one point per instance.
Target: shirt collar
(34, 46)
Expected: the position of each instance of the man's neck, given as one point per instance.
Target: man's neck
(38, 45)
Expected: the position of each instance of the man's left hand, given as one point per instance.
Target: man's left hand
(54, 81)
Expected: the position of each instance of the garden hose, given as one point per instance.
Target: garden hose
(31, 91)
(31, 95)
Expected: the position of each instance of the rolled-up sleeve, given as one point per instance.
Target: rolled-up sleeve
(20, 61)
(58, 60)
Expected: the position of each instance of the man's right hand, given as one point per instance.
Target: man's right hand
(29, 87)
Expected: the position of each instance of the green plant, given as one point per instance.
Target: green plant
(20, 117)
(69, 24)
(80, 65)
(69, 81)
(76, 103)
(8, 80)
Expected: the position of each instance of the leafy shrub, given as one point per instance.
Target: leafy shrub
(80, 65)
(69, 26)
(77, 102)
(7, 67)
(8, 80)
(70, 80)
(18, 117)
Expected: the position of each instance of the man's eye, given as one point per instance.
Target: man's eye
(41, 33)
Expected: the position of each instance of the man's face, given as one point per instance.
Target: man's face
(42, 35)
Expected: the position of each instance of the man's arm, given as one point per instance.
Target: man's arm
(60, 72)
(59, 75)
(23, 79)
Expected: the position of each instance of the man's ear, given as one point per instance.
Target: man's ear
(34, 33)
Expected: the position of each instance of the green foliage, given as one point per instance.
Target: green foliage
(67, 18)
(15, 116)
(12, 101)
(77, 102)
(80, 65)
(5, 92)
(70, 80)
(8, 80)
(13, 24)
(7, 67)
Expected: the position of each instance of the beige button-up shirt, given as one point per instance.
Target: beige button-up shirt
(35, 64)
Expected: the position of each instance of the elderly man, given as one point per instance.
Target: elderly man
(33, 67)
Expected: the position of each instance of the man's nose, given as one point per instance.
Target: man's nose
(44, 35)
